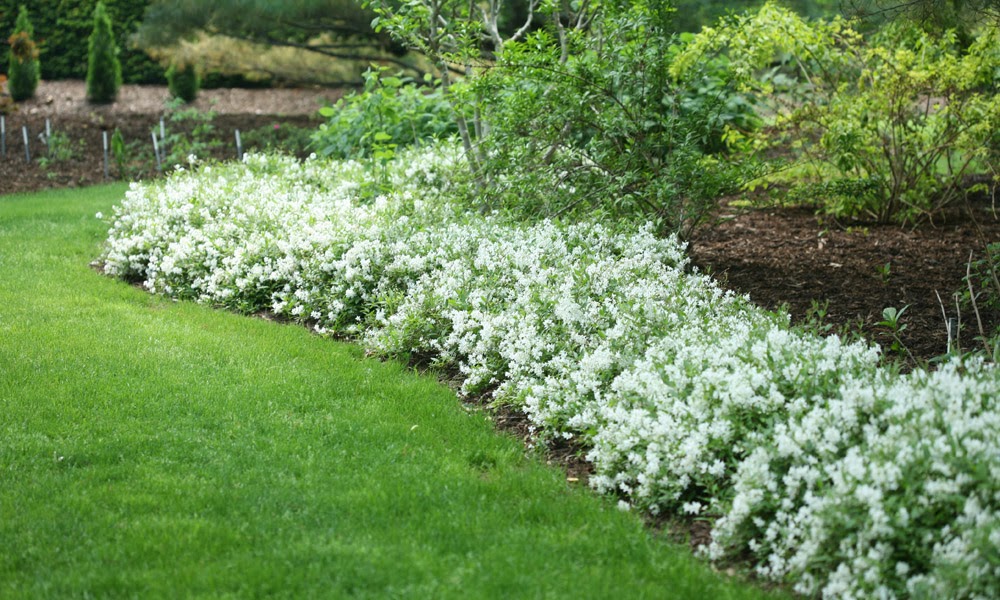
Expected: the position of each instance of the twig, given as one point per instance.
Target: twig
(975, 307)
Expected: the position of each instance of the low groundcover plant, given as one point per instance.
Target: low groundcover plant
(834, 473)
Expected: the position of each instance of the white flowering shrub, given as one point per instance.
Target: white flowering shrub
(831, 471)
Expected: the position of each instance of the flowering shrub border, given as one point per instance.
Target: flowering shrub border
(841, 476)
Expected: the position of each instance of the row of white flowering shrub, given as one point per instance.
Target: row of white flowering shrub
(839, 475)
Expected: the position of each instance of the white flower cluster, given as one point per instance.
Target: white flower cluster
(844, 477)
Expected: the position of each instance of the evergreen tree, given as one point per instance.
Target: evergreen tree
(104, 72)
(23, 71)
(183, 81)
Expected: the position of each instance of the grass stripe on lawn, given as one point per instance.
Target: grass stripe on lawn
(150, 448)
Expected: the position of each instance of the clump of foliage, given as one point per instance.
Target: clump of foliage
(104, 71)
(583, 116)
(390, 109)
(183, 80)
(287, 138)
(23, 66)
(886, 127)
(191, 133)
(607, 127)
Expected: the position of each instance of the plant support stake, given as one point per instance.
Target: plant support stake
(104, 137)
(48, 131)
(239, 146)
(156, 152)
(3, 136)
(27, 149)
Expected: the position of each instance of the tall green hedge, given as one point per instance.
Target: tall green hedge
(63, 27)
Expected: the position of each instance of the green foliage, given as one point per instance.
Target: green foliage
(191, 132)
(60, 148)
(23, 65)
(118, 150)
(605, 128)
(184, 81)
(390, 110)
(338, 32)
(63, 26)
(281, 137)
(900, 119)
(104, 71)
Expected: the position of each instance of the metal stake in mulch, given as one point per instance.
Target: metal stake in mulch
(3, 136)
(27, 149)
(48, 131)
(104, 137)
(156, 152)
(239, 146)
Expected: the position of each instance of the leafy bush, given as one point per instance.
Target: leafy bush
(584, 116)
(903, 115)
(183, 81)
(190, 133)
(389, 110)
(23, 66)
(844, 477)
(605, 128)
(104, 72)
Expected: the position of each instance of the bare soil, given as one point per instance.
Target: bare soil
(784, 256)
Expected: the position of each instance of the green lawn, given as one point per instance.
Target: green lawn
(158, 449)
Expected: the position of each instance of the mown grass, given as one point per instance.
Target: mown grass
(150, 448)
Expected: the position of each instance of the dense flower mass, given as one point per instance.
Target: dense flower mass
(839, 475)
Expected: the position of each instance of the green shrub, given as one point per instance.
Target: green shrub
(599, 125)
(898, 121)
(388, 110)
(24, 68)
(184, 81)
(104, 72)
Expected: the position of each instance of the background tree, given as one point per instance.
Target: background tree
(61, 31)
(23, 70)
(934, 16)
(334, 29)
(104, 72)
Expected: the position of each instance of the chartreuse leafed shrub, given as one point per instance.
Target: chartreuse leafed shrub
(104, 72)
(23, 67)
(890, 126)
(183, 81)
(829, 471)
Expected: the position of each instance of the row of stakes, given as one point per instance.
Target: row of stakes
(159, 144)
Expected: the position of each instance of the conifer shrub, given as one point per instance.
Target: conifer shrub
(23, 71)
(183, 80)
(104, 71)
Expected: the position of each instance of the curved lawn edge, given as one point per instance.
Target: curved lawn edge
(692, 400)
(156, 448)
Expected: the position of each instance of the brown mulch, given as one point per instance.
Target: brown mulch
(791, 257)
